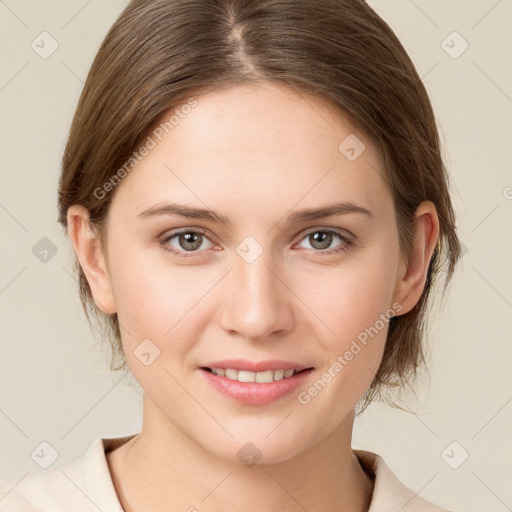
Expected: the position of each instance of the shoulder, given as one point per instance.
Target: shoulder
(83, 484)
(389, 493)
(45, 490)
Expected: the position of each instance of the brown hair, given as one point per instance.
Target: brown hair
(160, 53)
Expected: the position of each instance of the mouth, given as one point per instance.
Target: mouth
(264, 377)
(255, 383)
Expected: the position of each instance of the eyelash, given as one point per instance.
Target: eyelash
(347, 242)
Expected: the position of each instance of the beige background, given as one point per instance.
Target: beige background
(55, 385)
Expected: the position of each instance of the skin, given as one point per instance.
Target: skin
(253, 153)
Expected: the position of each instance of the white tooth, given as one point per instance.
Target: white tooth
(230, 373)
(278, 374)
(246, 376)
(265, 377)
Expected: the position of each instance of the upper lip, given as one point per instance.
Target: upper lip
(256, 366)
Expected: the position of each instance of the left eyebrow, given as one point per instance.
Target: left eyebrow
(327, 211)
(295, 217)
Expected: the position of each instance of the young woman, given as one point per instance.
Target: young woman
(255, 193)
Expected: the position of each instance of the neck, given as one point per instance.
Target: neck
(162, 466)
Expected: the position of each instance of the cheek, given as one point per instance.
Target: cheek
(354, 308)
(358, 319)
(353, 298)
(158, 301)
(358, 307)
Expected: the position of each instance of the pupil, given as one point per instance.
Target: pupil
(321, 237)
(191, 238)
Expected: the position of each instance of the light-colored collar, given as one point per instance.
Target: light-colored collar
(86, 484)
(389, 493)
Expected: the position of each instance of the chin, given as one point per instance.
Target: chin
(259, 444)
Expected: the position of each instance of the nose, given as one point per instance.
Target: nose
(256, 300)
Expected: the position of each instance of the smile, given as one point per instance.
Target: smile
(248, 376)
(255, 383)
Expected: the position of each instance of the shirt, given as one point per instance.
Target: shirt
(85, 485)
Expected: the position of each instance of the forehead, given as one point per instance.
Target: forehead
(255, 144)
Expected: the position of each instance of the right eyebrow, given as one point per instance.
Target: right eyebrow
(182, 211)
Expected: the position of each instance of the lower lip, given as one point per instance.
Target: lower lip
(255, 393)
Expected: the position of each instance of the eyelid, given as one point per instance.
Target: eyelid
(167, 236)
(345, 236)
(339, 231)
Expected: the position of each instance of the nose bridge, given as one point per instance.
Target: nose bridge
(257, 303)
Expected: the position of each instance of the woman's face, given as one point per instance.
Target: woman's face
(264, 289)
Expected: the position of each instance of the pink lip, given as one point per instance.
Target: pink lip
(256, 366)
(255, 393)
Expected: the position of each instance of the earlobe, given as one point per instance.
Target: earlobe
(89, 253)
(413, 274)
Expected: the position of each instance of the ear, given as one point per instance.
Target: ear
(412, 275)
(90, 255)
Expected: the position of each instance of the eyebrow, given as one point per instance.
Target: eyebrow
(174, 209)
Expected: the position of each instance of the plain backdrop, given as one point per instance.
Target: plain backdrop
(55, 383)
